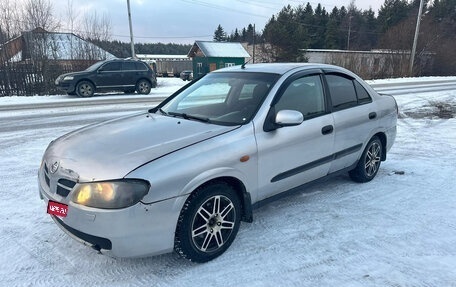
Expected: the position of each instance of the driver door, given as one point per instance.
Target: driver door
(110, 75)
(291, 156)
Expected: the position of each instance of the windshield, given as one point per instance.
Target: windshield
(222, 98)
(95, 66)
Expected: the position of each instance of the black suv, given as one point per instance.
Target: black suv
(127, 75)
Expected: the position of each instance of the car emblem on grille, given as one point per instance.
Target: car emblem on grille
(54, 167)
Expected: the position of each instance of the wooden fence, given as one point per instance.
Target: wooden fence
(38, 78)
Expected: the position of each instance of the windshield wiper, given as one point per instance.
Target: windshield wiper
(162, 112)
(189, 117)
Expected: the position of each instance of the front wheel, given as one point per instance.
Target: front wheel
(208, 223)
(85, 89)
(369, 163)
(143, 87)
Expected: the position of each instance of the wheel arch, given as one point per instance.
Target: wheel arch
(382, 137)
(241, 191)
(145, 79)
(85, 80)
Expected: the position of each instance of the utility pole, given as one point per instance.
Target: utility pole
(415, 40)
(133, 55)
(253, 60)
(349, 32)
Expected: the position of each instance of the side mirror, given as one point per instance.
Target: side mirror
(288, 118)
(284, 118)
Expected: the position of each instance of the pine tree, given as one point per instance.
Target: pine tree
(320, 21)
(391, 13)
(331, 36)
(235, 37)
(285, 36)
(219, 34)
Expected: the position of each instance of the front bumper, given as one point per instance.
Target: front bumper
(65, 86)
(137, 231)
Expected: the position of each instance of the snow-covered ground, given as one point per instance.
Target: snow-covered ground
(398, 230)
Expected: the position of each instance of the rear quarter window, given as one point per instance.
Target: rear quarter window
(140, 66)
(361, 93)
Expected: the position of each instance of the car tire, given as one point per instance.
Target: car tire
(85, 89)
(369, 163)
(143, 87)
(208, 222)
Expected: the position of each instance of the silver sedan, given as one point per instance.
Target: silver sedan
(183, 175)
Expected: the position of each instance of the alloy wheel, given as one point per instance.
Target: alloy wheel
(373, 158)
(213, 223)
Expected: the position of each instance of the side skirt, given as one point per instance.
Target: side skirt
(301, 187)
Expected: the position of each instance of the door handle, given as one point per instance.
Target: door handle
(326, 130)
(372, 115)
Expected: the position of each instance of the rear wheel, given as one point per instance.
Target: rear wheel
(143, 87)
(208, 223)
(85, 89)
(369, 163)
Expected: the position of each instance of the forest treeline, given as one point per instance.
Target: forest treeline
(300, 27)
(350, 28)
(123, 50)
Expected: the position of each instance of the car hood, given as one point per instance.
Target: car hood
(74, 74)
(110, 150)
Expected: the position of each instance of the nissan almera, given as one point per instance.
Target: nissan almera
(184, 174)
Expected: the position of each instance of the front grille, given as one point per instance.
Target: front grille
(46, 175)
(64, 186)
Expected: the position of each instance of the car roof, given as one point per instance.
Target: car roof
(280, 68)
(123, 60)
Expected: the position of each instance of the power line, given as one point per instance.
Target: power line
(221, 7)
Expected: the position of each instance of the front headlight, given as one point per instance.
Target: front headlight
(68, 78)
(110, 194)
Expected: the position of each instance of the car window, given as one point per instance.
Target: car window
(212, 93)
(140, 66)
(111, 67)
(342, 91)
(128, 66)
(254, 91)
(228, 98)
(95, 66)
(362, 94)
(247, 91)
(304, 95)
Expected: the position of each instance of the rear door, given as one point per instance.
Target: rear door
(354, 118)
(130, 74)
(291, 156)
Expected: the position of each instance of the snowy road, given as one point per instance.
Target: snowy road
(398, 230)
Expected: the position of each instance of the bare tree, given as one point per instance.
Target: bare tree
(72, 19)
(39, 13)
(10, 23)
(97, 28)
(72, 16)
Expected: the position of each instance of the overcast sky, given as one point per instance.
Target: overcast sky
(184, 21)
